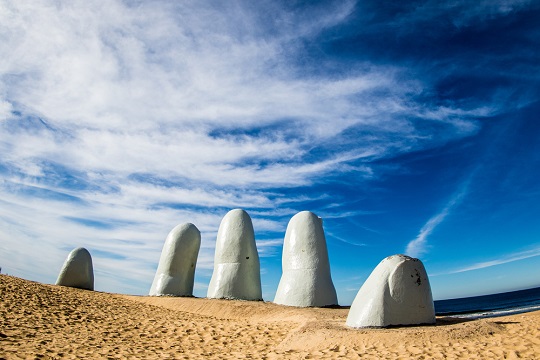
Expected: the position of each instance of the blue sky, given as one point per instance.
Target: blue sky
(409, 128)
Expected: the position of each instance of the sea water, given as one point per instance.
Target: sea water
(508, 303)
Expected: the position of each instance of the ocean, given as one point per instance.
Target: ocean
(508, 303)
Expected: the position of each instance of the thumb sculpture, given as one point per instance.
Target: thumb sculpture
(77, 271)
(237, 272)
(396, 293)
(175, 274)
(306, 279)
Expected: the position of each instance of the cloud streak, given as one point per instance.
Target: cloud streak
(419, 245)
(517, 256)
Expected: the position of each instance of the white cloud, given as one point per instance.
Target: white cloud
(124, 108)
(521, 255)
(418, 246)
(5, 110)
(268, 247)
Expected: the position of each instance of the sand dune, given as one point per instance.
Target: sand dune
(47, 321)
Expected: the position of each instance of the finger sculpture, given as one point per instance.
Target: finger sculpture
(396, 293)
(175, 274)
(237, 273)
(77, 270)
(306, 279)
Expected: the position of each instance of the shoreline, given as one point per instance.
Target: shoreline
(59, 322)
(491, 313)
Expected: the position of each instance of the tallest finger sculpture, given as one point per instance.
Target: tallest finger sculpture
(237, 271)
(306, 279)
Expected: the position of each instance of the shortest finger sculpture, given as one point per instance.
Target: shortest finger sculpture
(396, 293)
(77, 271)
(175, 274)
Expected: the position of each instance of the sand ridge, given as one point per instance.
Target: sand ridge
(48, 321)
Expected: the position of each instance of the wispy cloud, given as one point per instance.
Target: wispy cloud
(346, 241)
(521, 255)
(419, 245)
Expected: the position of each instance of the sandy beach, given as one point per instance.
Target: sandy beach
(47, 321)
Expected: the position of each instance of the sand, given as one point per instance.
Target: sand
(48, 321)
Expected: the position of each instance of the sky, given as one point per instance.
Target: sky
(408, 127)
